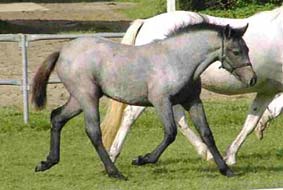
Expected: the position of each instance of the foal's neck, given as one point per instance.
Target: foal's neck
(205, 49)
(212, 57)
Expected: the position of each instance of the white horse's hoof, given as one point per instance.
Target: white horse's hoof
(112, 159)
(259, 133)
(209, 156)
(202, 151)
(230, 160)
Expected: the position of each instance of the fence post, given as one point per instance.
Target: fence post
(171, 5)
(25, 85)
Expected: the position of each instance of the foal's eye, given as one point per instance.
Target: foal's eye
(236, 52)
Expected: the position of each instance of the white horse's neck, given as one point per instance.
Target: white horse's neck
(269, 15)
(166, 22)
(235, 23)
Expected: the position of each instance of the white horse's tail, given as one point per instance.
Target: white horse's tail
(132, 32)
(114, 114)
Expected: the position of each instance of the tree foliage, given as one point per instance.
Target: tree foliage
(197, 5)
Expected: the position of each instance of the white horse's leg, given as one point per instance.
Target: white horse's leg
(273, 110)
(195, 140)
(258, 106)
(131, 113)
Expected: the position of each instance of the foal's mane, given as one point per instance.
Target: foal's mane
(188, 28)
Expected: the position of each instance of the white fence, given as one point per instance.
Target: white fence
(171, 5)
(24, 40)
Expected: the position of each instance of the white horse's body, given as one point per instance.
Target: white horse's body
(264, 38)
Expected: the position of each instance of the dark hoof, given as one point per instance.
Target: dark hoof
(228, 172)
(118, 175)
(43, 165)
(138, 161)
(142, 160)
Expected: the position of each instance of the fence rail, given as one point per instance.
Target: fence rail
(24, 40)
(11, 82)
(37, 37)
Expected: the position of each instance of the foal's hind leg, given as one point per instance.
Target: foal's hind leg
(59, 117)
(90, 103)
(164, 109)
(199, 119)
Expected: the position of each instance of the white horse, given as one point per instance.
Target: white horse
(265, 41)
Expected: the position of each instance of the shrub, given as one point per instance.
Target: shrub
(197, 5)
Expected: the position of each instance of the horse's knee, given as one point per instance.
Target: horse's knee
(207, 135)
(57, 120)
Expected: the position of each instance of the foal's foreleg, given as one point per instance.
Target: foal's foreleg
(199, 119)
(59, 117)
(131, 114)
(164, 109)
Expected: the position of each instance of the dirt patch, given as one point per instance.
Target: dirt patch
(64, 17)
(19, 7)
(107, 11)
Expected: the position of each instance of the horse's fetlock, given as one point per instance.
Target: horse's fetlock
(207, 134)
(171, 138)
(52, 160)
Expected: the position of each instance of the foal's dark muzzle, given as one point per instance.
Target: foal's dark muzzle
(246, 74)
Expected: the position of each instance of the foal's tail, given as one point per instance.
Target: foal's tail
(114, 114)
(40, 80)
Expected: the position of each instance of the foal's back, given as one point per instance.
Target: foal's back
(119, 70)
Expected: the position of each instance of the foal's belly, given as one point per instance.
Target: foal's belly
(133, 94)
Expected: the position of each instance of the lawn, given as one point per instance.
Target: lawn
(260, 163)
(149, 8)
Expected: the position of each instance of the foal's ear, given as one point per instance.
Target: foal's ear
(238, 32)
(241, 31)
(227, 31)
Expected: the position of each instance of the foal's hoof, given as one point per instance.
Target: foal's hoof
(42, 166)
(141, 160)
(227, 172)
(118, 175)
(138, 161)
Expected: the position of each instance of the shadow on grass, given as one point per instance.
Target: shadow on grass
(247, 165)
(254, 163)
(251, 169)
(188, 160)
(61, 26)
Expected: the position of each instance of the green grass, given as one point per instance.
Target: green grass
(144, 8)
(149, 8)
(240, 12)
(22, 147)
